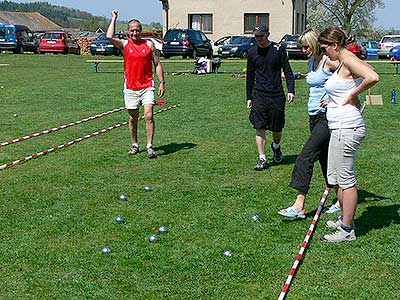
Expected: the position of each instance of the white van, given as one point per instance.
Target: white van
(387, 43)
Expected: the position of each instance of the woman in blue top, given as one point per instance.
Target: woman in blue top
(320, 68)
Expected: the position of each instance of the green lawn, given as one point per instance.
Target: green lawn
(58, 211)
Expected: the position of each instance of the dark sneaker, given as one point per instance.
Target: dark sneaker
(151, 153)
(277, 154)
(134, 150)
(261, 165)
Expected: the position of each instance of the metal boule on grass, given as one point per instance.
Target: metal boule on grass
(106, 249)
(153, 238)
(147, 188)
(163, 229)
(16, 115)
(228, 253)
(123, 197)
(256, 218)
(119, 219)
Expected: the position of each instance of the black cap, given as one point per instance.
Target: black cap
(260, 29)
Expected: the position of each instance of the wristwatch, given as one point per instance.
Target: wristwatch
(162, 81)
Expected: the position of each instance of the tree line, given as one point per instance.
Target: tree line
(67, 17)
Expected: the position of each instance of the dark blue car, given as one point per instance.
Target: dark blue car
(17, 38)
(395, 52)
(102, 46)
(238, 46)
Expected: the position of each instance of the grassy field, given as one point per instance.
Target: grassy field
(58, 211)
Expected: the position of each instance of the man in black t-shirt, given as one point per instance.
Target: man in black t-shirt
(265, 96)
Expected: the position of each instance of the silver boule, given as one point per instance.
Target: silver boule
(119, 219)
(123, 197)
(256, 218)
(163, 229)
(147, 188)
(106, 249)
(153, 238)
(228, 253)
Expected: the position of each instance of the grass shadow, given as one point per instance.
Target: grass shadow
(174, 147)
(365, 195)
(377, 217)
(287, 160)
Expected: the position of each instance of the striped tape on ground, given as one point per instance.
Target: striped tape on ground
(27, 137)
(303, 246)
(55, 148)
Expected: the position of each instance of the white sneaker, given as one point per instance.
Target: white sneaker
(333, 224)
(339, 235)
(331, 209)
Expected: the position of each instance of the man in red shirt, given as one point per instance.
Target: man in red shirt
(139, 55)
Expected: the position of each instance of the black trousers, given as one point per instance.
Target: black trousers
(316, 148)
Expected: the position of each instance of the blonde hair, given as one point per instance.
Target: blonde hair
(309, 38)
(335, 35)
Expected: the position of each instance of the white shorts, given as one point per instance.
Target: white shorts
(134, 99)
(342, 156)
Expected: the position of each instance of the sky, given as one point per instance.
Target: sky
(146, 11)
(151, 10)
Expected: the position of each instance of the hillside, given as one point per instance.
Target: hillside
(68, 17)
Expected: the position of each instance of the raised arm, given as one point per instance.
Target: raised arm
(111, 30)
(159, 70)
(359, 68)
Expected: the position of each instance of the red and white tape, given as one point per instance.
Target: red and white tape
(55, 148)
(27, 137)
(304, 245)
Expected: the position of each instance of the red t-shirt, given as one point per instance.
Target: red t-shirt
(138, 66)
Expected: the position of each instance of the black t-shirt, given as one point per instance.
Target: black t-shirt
(264, 67)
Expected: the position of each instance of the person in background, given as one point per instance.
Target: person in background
(265, 95)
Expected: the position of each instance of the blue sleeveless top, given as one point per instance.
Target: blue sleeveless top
(316, 80)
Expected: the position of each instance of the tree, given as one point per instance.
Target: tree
(352, 15)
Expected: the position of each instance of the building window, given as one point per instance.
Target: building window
(201, 22)
(252, 19)
(298, 23)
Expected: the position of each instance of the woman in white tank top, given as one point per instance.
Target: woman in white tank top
(347, 126)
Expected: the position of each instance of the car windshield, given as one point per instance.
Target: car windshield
(175, 35)
(6, 30)
(240, 40)
(291, 38)
(391, 39)
(52, 36)
(374, 45)
(101, 37)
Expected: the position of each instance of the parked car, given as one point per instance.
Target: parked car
(387, 42)
(293, 47)
(372, 48)
(58, 42)
(220, 42)
(158, 44)
(394, 53)
(358, 49)
(17, 38)
(238, 46)
(102, 46)
(186, 42)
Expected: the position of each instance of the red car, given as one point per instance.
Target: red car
(58, 42)
(358, 50)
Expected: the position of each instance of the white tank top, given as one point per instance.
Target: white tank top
(337, 114)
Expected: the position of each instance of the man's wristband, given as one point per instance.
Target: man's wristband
(162, 81)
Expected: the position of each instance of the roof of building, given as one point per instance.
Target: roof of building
(34, 20)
